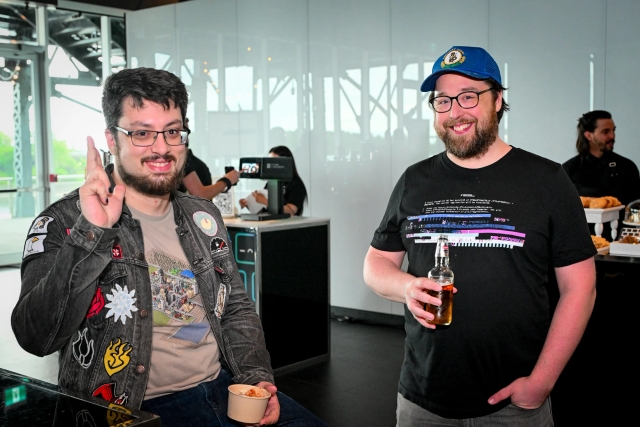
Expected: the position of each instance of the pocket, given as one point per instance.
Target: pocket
(112, 279)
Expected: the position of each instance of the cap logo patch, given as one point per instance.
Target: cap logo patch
(453, 58)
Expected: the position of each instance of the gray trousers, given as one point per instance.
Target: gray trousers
(408, 414)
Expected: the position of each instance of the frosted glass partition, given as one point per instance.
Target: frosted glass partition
(555, 53)
(623, 57)
(338, 82)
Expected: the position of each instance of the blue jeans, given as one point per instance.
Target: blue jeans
(206, 405)
(409, 414)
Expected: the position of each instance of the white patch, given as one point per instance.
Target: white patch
(122, 304)
(83, 349)
(34, 245)
(40, 225)
(222, 293)
(206, 222)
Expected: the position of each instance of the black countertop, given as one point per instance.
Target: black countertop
(30, 402)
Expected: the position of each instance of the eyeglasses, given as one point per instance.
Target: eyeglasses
(146, 138)
(442, 104)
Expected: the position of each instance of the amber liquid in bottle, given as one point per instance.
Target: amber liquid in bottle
(443, 275)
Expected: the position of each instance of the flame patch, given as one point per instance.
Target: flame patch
(83, 349)
(117, 416)
(97, 303)
(116, 357)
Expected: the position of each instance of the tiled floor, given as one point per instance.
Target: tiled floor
(356, 387)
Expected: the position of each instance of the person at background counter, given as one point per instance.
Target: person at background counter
(197, 177)
(597, 171)
(295, 192)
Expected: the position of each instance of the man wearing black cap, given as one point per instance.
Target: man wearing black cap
(508, 215)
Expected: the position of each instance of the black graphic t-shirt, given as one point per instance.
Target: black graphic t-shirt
(507, 224)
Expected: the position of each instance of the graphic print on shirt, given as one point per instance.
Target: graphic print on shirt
(176, 299)
(467, 221)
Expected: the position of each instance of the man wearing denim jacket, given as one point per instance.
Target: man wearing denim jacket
(134, 283)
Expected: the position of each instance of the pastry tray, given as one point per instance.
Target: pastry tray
(626, 249)
(603, 215)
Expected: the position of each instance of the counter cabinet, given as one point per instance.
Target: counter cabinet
(285, 268)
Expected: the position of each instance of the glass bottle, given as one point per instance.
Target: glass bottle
(442, 275)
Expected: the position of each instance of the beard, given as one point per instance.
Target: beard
(606, 147)
(151, 184)
(470, 146)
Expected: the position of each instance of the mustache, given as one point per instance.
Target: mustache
(455, 122)
(167, 157)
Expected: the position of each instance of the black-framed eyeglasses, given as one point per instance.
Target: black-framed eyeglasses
(466, 100)
(146, 138)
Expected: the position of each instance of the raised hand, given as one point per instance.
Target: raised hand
(99, 207)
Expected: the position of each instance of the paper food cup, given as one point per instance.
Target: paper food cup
(247, 408)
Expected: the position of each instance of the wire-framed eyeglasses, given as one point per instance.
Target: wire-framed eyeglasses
(146, 138)
(466, 100)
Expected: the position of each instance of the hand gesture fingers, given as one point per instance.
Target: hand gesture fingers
(94, 193)
(233, 176)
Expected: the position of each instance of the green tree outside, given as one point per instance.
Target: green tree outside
(65, 161)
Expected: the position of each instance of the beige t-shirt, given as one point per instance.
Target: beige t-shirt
(185, 352)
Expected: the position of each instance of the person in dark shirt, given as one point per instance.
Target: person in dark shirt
(197, 177)
(295, 192)
(597, 171)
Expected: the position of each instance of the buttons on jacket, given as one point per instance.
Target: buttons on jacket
(141, 256)
(144, 313)
(90, 236)
(140, 369)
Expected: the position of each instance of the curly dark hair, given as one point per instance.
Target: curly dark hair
(139, 85)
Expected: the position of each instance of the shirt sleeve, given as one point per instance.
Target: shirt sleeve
(295, 194)
(570, 240)
(387, 236)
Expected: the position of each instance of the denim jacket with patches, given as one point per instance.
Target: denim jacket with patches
(71, 267)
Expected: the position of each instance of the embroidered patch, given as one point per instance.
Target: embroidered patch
(206, 223)
(34, 245)
(68, 230)
(218, 245)
(118, 415)
(116, 251)
(108, 393)
(97, 303)
(453, 58)
(40, 225)
(116, 357)
(222, 293)
(83, 349)
(84, 418)
(122, 304)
